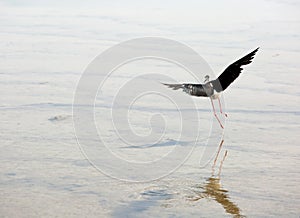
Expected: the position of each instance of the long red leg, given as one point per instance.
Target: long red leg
(212, 103)
(221, 108)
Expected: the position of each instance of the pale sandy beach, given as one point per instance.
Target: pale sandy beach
(46, 46)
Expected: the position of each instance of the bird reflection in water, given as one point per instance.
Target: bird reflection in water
(212, 189)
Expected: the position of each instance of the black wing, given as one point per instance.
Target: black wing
(232, 72)
(175, 86)
(191, 89)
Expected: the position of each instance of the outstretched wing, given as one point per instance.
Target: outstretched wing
(232, 72)
(175, 86)
(191, 89)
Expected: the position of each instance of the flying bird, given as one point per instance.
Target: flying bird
(213, 88)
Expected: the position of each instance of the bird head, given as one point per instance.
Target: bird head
(206, 78)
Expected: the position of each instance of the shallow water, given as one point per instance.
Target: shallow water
(46, 47)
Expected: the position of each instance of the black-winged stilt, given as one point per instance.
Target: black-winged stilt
(213, 88)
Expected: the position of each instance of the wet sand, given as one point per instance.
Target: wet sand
(45, 49)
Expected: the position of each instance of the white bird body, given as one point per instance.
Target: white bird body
(216, 95)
